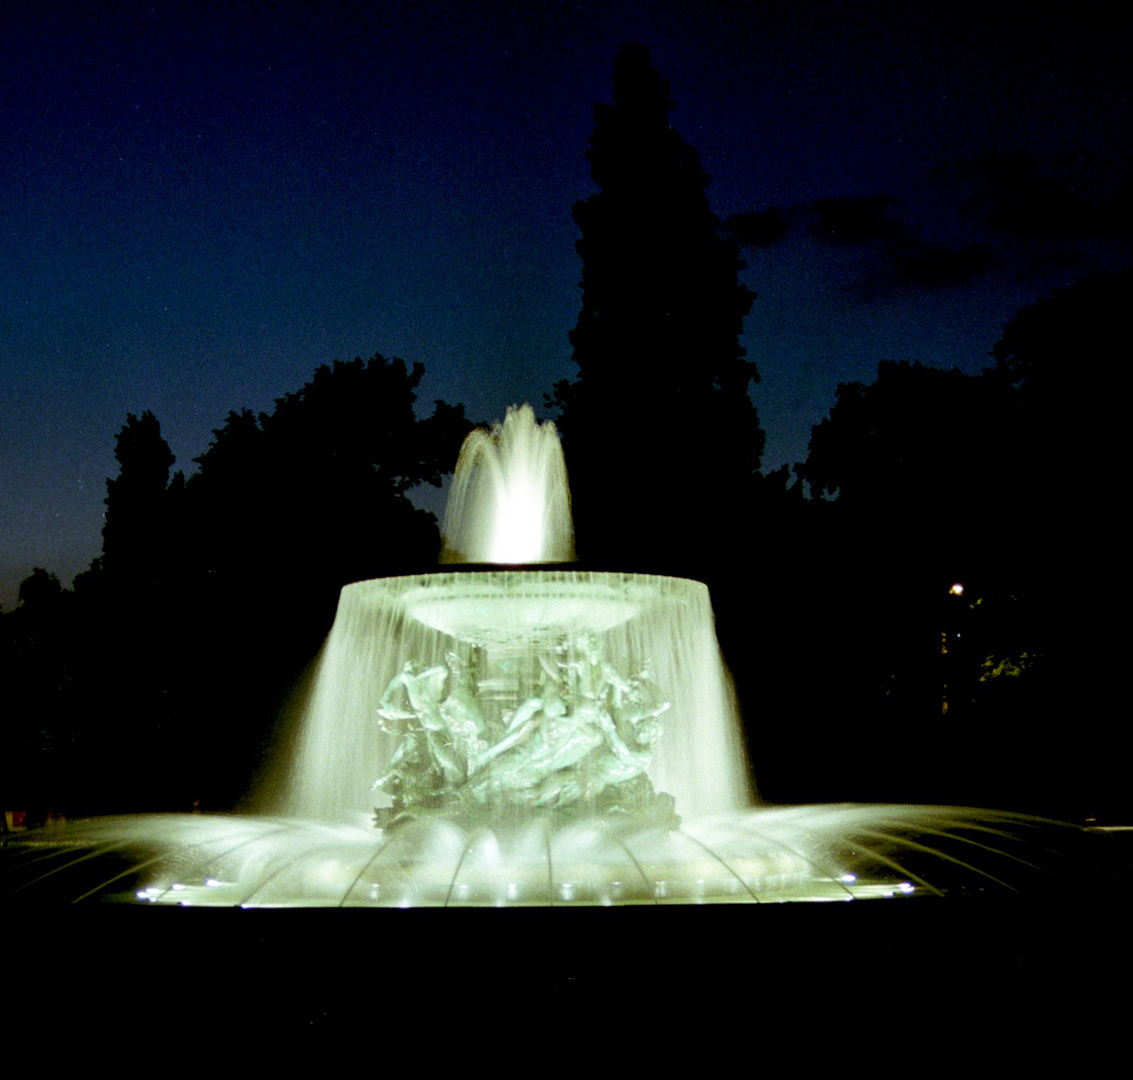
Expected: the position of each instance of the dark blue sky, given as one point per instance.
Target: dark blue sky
(199, 208)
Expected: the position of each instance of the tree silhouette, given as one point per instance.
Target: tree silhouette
(1063, 356)
(39, 590)
(1005, 482)
(928, 492)
(661, 435)
(41, 713)
(920, 464)
(136, 533)
(89, 671)
(316, 492)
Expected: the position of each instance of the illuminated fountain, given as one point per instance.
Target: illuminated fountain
(484, 692)
(527, 733)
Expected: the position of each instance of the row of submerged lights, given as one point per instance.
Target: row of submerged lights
(217, 893)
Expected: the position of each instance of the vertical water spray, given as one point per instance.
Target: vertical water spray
(510, 500)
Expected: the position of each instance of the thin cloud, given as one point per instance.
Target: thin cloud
(1014, 195)
(757, 228)
(862, 220)
(921, 267)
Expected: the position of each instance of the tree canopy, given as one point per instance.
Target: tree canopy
(920, 460)
(1064, 355)
(136, 533)
(660, 431)
(317, 490)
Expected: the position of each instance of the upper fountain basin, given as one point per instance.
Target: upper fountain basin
(501, 606)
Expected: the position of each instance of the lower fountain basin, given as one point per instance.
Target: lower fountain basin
(815, 853)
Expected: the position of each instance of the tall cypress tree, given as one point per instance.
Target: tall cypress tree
(662, 437)
(136, 534)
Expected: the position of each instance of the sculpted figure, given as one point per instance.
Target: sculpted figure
(425, 760)
(585, 730)
(556, 753)
(594, 677)
(460, 713)
(411, 774)
(525, 754)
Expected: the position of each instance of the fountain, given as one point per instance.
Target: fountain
(514, 730)
(495, 689)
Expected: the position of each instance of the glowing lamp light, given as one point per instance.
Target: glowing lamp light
(957, 589)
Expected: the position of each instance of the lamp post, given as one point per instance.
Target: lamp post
(957, 589)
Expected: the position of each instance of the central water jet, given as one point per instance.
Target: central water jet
(510, 501)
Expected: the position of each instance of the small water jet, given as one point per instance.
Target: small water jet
(510, 501)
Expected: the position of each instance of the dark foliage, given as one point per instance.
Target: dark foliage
(136, 535)
(921, 461)
(315, 493)
(40, 591)
(1002, 694)
(660, 432)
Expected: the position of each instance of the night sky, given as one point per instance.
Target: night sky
(198, 209)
